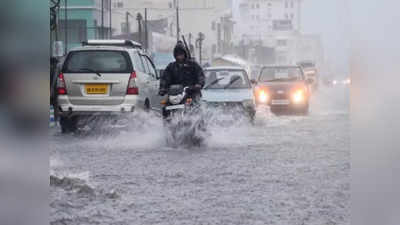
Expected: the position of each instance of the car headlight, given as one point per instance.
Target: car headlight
(298, 96)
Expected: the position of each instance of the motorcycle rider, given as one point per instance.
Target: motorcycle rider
(183, 71)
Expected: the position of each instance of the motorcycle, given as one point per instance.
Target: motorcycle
(183, 117)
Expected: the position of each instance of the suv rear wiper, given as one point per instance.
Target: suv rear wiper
(90, 70)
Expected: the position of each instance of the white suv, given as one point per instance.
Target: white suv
(105, 77)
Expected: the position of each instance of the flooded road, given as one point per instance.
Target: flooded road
(283, 170)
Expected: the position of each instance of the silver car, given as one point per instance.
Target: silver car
(229, 89)
(105, 77)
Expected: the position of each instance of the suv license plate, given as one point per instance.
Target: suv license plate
(172, 107)
(96, 88)
(280, 102)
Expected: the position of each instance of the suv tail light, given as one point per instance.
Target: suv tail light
(132, 86)
(61, 87)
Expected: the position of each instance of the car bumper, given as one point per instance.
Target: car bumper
(67, 108)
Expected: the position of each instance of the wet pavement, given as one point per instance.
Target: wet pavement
(282, 170)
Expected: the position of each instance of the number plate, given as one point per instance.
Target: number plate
(172, 107)
(280, 102)
(94, 89)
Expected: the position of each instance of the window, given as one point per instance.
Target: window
(291, 16)
(151, 70)
(269, 4)
(145, 65)
(292, 5)
(138, 62)
(99, 61)
(286, 16)
(282, 42)
(120, 4)
(125, 29)
(281, 73)
(106, 4)
(258, 6)
(77, 30)
(286, 5)
(213, 25)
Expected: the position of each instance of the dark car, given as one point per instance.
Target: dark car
(283, 88)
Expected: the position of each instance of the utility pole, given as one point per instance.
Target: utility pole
(127, 23)
(110, 34)
(199, 43)
(102, 19)
(139, 18)
(146, 35)
(66, 25)
(177, 23)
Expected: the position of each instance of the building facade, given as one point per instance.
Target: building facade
(272, 24)
(82, 20)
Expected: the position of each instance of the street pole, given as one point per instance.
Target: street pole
(200, 41)
(139, 19)
(127, 23)
(110, 34)
(66, 26)
(177, 23)
(102, 19)
(146, 44)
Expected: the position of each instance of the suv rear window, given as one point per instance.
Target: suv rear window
(99, 61)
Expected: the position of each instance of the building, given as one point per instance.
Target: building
(257, 19)
(84, 19)
(271, 24)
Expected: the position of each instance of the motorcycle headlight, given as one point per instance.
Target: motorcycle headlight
(262, 96)
(175, 99)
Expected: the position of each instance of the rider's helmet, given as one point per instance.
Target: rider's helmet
(180, 49)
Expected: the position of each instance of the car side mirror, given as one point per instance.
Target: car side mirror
(253, 82)
(309, 81)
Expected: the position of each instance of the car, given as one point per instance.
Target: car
(310, 72)
(338, 82)
(229, 88)
(105, 77)
(283, 88)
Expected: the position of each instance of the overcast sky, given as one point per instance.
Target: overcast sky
(329, 18)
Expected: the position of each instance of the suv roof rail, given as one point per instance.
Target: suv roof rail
(122, 43)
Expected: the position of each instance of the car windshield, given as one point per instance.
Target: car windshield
(229, 79)
(98, 61)
(280, 74)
